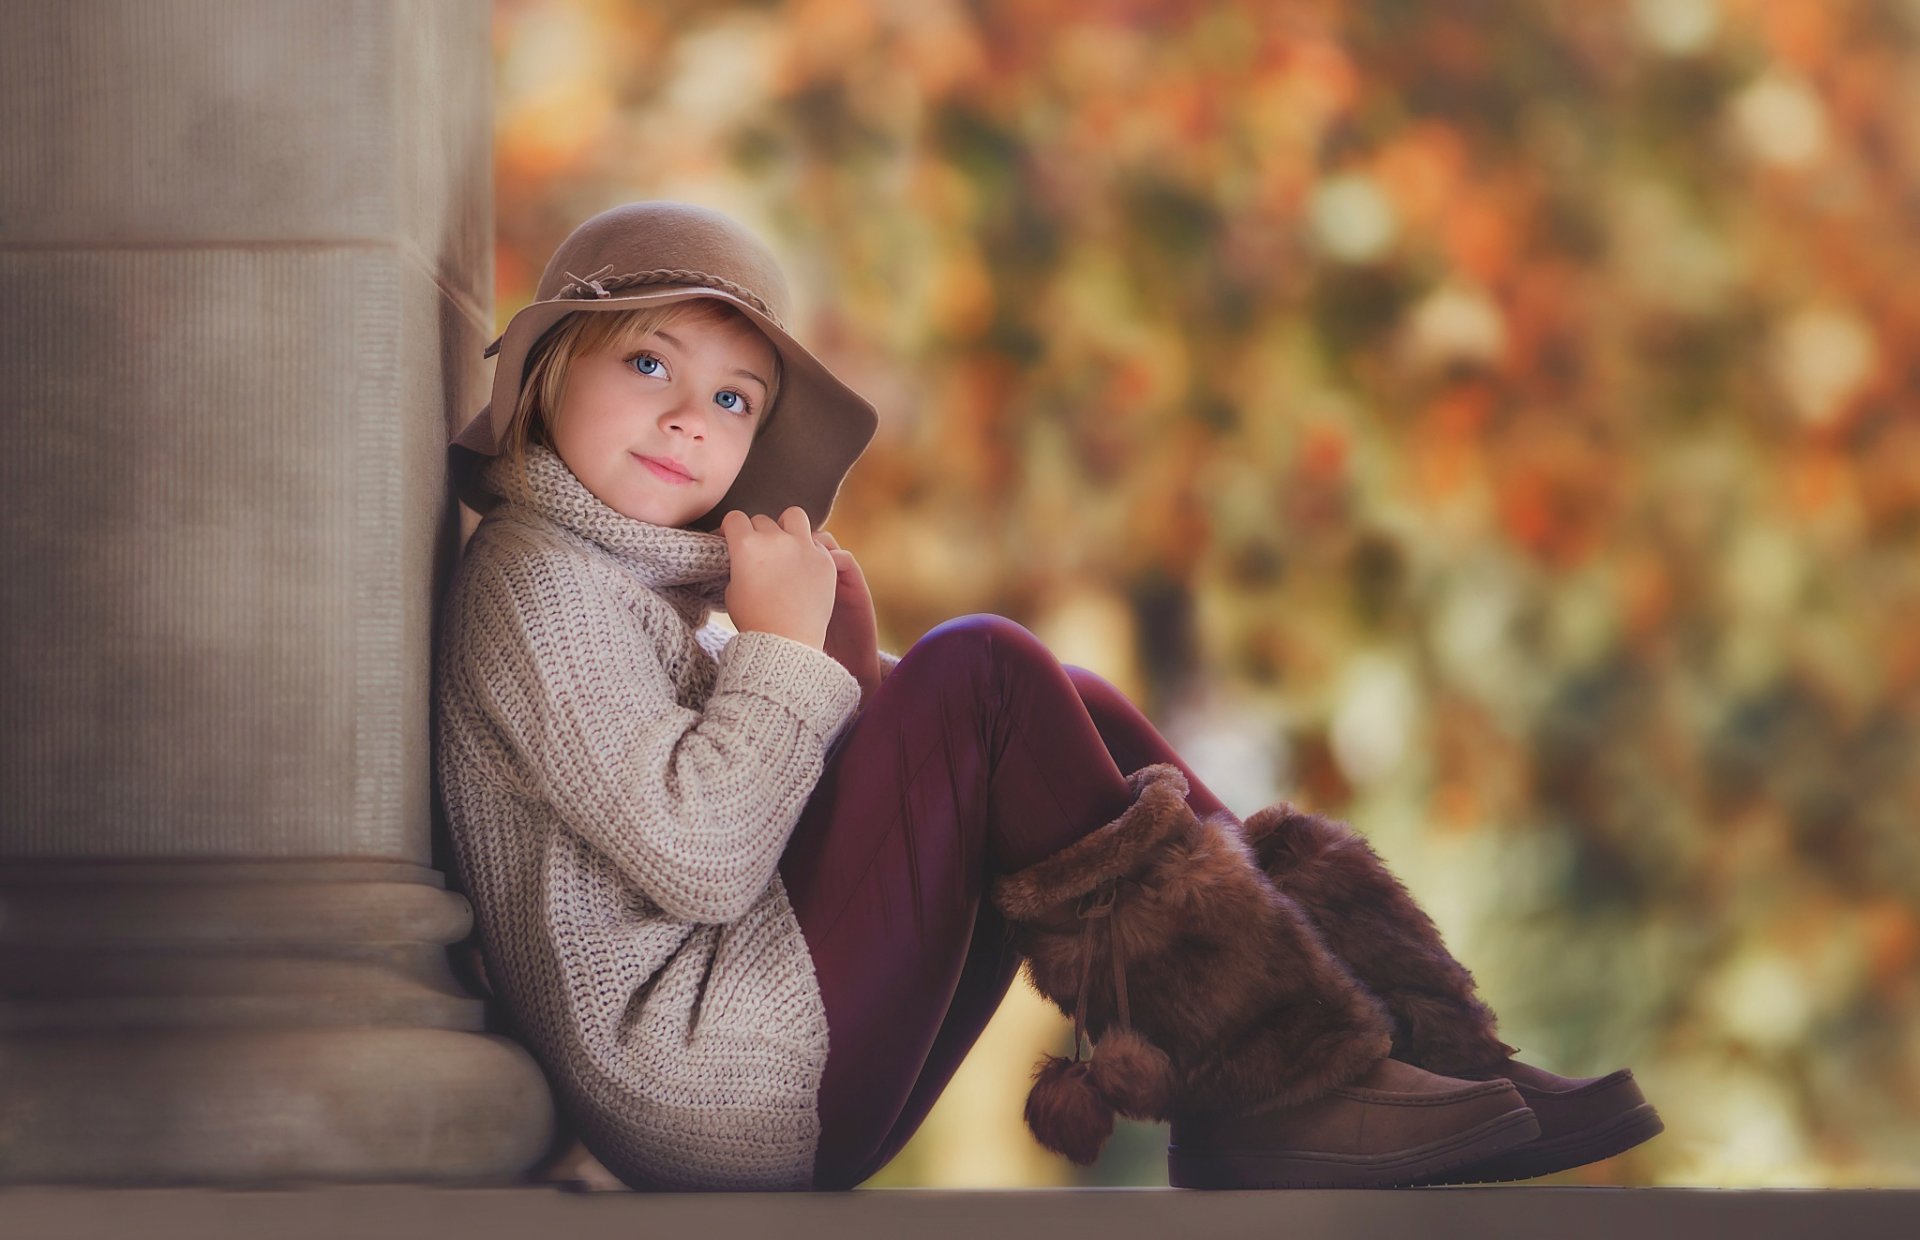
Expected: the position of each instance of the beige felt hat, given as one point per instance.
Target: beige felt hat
(652, 253)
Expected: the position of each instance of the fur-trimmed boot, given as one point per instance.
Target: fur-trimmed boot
(1370, 920)
(1211, 1002)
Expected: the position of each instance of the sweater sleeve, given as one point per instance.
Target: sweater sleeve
(886, 664)
(693, 806)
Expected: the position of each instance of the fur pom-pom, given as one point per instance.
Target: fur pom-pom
(1066, 1112)
(1133, 1074)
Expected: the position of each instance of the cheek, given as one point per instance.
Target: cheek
(596, 414)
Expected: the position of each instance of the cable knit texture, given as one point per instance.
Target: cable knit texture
(620, 775)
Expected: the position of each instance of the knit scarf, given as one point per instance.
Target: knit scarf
(689, 568)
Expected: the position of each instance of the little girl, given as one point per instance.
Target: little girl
(749, 895)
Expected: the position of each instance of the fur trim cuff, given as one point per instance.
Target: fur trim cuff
(1159, 811)
(1372, 922)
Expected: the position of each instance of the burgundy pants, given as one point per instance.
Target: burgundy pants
(979, 754)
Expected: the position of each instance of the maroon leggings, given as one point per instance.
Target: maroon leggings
(979, 754)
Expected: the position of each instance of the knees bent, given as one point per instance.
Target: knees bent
(974, 640)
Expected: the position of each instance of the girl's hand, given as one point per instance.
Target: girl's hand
(782, 580)
(852, 638)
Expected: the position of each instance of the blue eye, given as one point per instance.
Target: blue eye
(654, 366)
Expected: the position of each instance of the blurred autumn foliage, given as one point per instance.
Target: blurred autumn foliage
(1496, 423)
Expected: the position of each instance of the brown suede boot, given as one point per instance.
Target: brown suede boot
(1212, 1003)
(1370, 920)
(1396, 1126)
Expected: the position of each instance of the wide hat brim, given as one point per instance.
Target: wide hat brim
(819, 428)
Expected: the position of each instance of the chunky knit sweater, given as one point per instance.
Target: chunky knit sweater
(620, 776)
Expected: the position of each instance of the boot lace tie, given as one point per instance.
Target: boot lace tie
(1097, 906)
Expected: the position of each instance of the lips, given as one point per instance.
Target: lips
(664, 468)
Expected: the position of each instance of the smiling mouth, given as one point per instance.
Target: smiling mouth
(661, 470)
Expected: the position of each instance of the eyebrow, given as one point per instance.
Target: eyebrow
(675, 342)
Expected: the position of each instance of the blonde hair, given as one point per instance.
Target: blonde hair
(544, 378)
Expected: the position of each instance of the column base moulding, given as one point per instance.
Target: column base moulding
(250, 1021)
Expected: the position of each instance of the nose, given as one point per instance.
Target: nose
(686, 414)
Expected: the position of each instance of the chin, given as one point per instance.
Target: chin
(652, 515)
(639, 508)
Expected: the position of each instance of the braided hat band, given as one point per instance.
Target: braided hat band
(602, 285)
(608, 286)
(656, 253)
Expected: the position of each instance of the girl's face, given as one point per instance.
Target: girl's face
(688, 394)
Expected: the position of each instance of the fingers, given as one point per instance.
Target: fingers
(795, 521)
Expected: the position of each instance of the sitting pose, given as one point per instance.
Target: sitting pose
(750, 893)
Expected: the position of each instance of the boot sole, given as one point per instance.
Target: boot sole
(1573, 1150)
(1255, 1168)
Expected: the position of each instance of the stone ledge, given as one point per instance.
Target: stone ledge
(407, 1212)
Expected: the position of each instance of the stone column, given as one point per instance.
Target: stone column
(245, 278)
